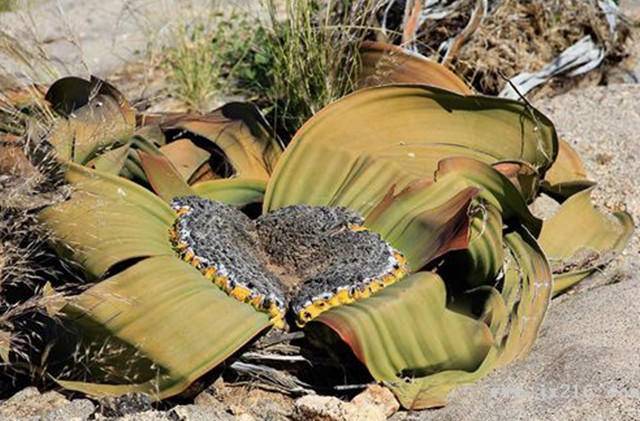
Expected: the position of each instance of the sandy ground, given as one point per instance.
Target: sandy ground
(97, 36)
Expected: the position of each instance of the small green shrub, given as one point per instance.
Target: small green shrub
(294, 59)
(306, 56)
(207, 55)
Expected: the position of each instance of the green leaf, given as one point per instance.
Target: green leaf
(104, 119)
(567, 176)
(579, 238)
(424, 221)
(405, 334)
(112, 161)
(496, 188)
(374, 138)
(108, 219)
(234, 191)
(384, 64)
(564, 281)
(526, 292)
(165, 180)
(157, 334)
(483, 259)
(523, 176)
(144, 140)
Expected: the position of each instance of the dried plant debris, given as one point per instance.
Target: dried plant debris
(27, 300)
(221, 242)
(513, 36)
(580, 58)
(310, 259)
(30, 176)
(337, 259)
(30, 179)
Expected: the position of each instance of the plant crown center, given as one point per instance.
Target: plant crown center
(306, 259)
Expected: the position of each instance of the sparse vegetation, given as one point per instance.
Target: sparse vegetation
(164, 217)
(297, 57)
(7, 5)
(516, 36)
(210, 54)
(30, 179)
(309, 57)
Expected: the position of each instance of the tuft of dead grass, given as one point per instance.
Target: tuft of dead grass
(520, 36)
(311, 56)
(30, 178)
(209, 52)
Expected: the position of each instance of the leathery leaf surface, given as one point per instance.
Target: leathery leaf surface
(384, 64)
(495, 188)
(482, 260)
(163, 177)
(579, 238)
(158, 333)
(425, 220)
(567, 176)
(108, 219)
(526, 292)
(235, 133)
(395, 134)
(233, 191)
(404, 334)
(96, 116)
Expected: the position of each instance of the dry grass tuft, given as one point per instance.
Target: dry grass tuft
(520, 36)
(30, 178)
(312, 52)
(290, 57)
(208, 53)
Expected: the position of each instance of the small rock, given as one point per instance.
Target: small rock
(31, 404)
(275, 408)
(380, 397)
(206, 399)
(76, 410)
(144, 416)
(328, 408)
(211, 404)
(21, 396)
(200, 413)
(130, 403)
(258, 403)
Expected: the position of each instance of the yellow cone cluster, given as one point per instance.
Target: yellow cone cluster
(349, 295)
(275, 309)
(234, 289)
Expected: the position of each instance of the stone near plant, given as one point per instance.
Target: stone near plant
(200, 413)
(30, 404)
(378, 396)
(329, 408)
(131, 403)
